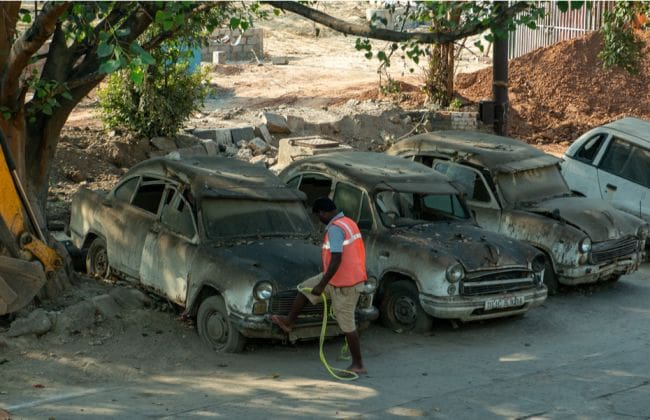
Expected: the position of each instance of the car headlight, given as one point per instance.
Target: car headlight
(642, 233)
(585, 245)
(263, 290)
(454, 273)
(369, 286)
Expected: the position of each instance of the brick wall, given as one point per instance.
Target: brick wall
(456, 120)
(235, 49)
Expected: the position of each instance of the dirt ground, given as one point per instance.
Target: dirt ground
(326, 78)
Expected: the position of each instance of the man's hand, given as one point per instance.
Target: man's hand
(317, 290)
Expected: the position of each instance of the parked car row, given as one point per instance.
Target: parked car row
(469, 226)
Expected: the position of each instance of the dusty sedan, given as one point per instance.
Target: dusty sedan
(429, 256)
(225, 240)
(515, 189)
(613, 162)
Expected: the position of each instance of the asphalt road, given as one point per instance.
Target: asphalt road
(583, 354)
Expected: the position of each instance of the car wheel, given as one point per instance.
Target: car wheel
(550, 280)
(401, 310)
(614, 278)
(97, 259)
(215, 328)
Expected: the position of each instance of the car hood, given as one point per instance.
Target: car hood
(595, 217)
(475, 248)
(286, 262)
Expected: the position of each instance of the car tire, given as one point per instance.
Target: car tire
(215, 327)
(550, 279)
(614, 278)
(97, 259)
(401, 310)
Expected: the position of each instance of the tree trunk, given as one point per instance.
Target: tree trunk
(439, 73)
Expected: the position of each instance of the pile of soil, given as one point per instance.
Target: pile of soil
(561, 91)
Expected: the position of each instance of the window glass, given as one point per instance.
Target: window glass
(406, 208)
(589, 150)
(124, 192)
(315, 186)
(294, 182)
(228, 218)
(149, 195)
(468, 179)
(178, 216)
(348, 200)
(627, 161)
(532, 185)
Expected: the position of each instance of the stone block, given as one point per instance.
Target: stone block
(263, 132)
(186, 140)
(164, 144)
(275, 123)
(37, 322)
(258, 146)
(211, 147)
(296, 124)
(242, 133)
(223, 136)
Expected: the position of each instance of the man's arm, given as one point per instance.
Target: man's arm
(335, 262)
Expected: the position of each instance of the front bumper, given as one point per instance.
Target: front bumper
(594, 273)
(472, 308)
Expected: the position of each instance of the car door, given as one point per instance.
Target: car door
(624, 176)
(170, 248)
(482, 203)
(580, 171)
(129, 222)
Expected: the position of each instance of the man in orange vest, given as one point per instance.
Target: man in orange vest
(344, 272)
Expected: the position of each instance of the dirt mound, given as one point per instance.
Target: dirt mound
(558, 92)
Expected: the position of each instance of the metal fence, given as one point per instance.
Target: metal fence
(557, 26)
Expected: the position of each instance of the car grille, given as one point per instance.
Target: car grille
(281, 303)
(498, 282)
(611, 250)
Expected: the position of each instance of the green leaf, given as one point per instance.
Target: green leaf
(26, 18)
(382, 56)
(575, 5)
(109, 66)
(244, 25)
(137, 77)
(67, 95)
(234, 22)
(47, 109)
(368, 55)
(563, 6)
(122, 32)
(104, 36)
(276, 12)
(104, 49)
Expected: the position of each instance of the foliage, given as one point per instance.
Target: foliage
(455, 104)
(156, 103)
(621, 48)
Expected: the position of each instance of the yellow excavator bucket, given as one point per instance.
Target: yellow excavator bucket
(20, 281)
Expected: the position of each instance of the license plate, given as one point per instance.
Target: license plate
(503, 303)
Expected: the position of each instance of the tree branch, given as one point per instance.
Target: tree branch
(24, 47)
(8, 20)
(367, 31)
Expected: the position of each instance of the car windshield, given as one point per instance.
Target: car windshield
(229, 218)
(407, 208)
(532, 185)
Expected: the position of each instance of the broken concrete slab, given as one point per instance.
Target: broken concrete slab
(106, 305)
(202, 133)
(262, 131)
(211, 147)
(242, 133)
(258, 146)
(197, 150)
(296, 124)
(186, 140)
(37, 322)
(223, 136)
(276, 124)
(164, 144)
(76, 317)
(130, 298)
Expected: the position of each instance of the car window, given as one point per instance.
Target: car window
(315, 186)
(349, 200)
(627, 161)
(177, 215)
(229, 218)
(466, 178)
(294, 182)
(532, 185)
(124, 191)
(398, 208)
(590, 148)
(149, 194)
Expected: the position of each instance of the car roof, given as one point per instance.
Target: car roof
(215, 176)
(497, 153)
(632, 126)
(370, 169)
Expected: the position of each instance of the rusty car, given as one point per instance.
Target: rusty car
(430, 258)
(612, 162)
(515, 189)
(225, 240)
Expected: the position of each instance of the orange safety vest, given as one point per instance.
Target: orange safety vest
(353, 261)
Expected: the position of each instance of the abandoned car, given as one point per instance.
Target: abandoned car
(224, 239)
(518, 190)
(613, 162)
(429, 256)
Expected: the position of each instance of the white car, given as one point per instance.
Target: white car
(613, 162)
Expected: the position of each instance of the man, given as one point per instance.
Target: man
(344, 271)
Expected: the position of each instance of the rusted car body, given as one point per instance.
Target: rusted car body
(224, 239)
(429, 256)
(518, 190)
